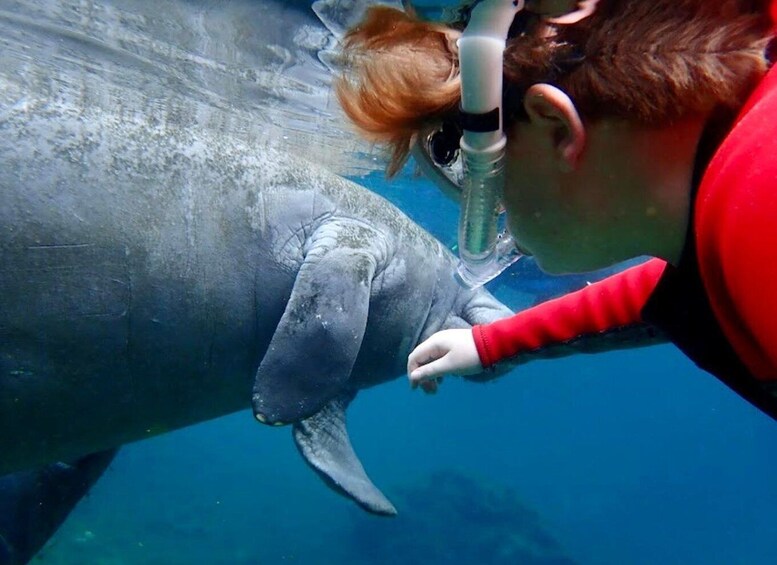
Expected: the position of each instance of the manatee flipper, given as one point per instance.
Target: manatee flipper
(323, 441)
(34, 504)
(315, 345)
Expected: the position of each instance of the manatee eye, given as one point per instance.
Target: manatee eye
(444, 144)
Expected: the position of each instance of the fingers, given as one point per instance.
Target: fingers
(446, 352)
(427, 362)
(426, 353)
(429, 371)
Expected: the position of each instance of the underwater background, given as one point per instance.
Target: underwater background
(633, 457)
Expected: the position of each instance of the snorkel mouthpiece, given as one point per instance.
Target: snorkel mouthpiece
(484, 252)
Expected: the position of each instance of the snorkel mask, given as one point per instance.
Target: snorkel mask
(477, 180)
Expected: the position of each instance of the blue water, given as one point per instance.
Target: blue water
(631, 457)
(635, 457)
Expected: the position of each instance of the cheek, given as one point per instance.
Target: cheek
(516, 207)
(524, 223)
(525, 179)
(534, 220)
(525, 207)
(530, 196)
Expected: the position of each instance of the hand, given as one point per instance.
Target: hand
(446, 352)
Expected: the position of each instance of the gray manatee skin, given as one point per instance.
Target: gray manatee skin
(35, 503)
(154, 273)
(145, 269)
(163, 261)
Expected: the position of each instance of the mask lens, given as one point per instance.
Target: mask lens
(444, 144)
(439, 156)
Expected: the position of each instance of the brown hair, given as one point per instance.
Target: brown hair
(650, 62)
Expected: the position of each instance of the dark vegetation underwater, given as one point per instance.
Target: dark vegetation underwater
(633, 457)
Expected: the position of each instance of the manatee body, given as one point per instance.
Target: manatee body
(35, 503)
(154, 275)
(163, 263)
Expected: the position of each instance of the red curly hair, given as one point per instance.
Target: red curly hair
(647, 62)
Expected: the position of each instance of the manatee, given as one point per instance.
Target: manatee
(154, 275)
(35, 503)
(163, 263)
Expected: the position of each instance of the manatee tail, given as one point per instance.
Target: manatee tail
(323, 441)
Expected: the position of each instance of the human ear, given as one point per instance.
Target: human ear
(552, 111)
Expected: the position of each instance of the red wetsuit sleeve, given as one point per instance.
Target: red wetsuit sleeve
(611, 303)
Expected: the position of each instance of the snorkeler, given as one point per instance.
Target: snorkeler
(625, 128)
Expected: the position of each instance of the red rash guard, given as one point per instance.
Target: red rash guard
(719, 304)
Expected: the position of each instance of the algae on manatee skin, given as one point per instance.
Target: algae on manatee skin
(454, 518)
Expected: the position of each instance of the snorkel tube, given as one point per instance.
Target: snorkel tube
(484, 251)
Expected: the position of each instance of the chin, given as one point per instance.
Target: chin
(547, 267)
